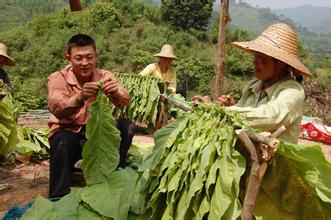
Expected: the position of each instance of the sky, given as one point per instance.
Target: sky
(276, 4)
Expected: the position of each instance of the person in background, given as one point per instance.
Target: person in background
(276, 96)
(70, 93)
(163, 69)
(5, 60)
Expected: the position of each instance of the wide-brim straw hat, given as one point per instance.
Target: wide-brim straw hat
(166, 51)
(4, 52)
(279, 41)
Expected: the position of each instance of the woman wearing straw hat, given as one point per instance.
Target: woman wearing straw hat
(163, 68)
(276, 97)
(5, 60)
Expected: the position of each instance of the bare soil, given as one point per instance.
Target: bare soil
(20, 184)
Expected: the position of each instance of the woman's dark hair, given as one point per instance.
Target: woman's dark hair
(80, 40)
(299, 78)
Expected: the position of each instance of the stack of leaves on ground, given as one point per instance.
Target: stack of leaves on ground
(31, 142)
(145, 95)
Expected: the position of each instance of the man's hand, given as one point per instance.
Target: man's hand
(226, 100)
(89, 89)
(203, 99)
(110, 86)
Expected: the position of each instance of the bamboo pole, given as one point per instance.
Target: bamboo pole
(220, 68)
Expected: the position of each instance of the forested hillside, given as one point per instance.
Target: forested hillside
(257, 19)
(127, 33)
(17, 12)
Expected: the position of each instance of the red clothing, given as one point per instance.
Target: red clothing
(67, 113)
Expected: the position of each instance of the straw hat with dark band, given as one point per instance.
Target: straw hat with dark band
(279, 41)
(3, 52)
(166, 51)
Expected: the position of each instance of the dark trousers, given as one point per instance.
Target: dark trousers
(66, 150)
(127, 130)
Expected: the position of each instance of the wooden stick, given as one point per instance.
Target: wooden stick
(75, 5)
(254, 182)
(177, 104)
(258, 169)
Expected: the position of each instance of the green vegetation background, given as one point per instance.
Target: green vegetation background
(128, 33)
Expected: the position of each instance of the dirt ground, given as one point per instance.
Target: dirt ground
(22, 183)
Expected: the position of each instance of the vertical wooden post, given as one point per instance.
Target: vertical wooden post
(220, 68)
(75, 5)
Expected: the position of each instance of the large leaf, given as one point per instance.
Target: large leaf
(101, 152)
(112, 198)
(8, 129)
(67, 207)
(40, 210)
(297, 185)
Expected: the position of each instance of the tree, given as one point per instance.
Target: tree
(187, 14)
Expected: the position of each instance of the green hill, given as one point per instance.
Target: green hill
(316, 19)
(256, 20)
(18, 12)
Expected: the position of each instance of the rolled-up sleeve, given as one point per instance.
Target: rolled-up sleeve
(60, 103)
(283, 110)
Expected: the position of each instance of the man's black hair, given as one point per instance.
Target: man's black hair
(80, 40)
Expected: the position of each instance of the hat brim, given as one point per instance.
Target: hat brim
(9, 61)
(254, 46)
(166, 56)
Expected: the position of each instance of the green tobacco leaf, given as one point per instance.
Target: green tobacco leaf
(86, 213)
(27, 147)
(8, 129)
(297, 185)
(42, 209)
(194, 169)
(31, 141)
(145, 94)
(113, 198)
(100, 153)
(67, 207)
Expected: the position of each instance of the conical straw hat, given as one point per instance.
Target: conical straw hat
(3, 52)
(279, 41)
(166, 51)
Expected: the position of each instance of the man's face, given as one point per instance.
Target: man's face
(83, 61)
(264, 66)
